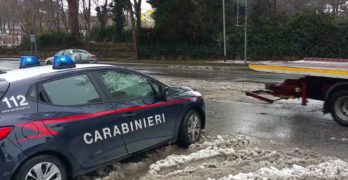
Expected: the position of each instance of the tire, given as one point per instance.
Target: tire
(338, 106)
(48, 63)
(43, 161)
(190, 129)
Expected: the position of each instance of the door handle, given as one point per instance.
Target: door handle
(128, 114)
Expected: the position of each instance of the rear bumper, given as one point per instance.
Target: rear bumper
(10, 158)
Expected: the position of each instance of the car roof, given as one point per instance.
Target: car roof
(27, 73)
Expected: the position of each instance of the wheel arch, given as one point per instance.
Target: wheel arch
(334, 88)
(200, 112)
(56, 154)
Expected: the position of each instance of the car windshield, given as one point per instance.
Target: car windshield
(59, 53)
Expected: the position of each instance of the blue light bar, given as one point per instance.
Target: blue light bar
(63, 62)
(29, 61)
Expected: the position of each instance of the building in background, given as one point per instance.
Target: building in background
(7, 40)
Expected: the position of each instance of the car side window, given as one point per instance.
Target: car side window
(72, 91)
(124, 85)
(67, 52)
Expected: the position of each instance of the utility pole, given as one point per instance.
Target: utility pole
(246, 33)
(237, 13)
(224, 29)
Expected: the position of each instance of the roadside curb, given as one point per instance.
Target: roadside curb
(184, 67)
(206, 68)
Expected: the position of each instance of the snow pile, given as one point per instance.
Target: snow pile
(334, 169)
(237, 141)
(225, 158)
(176, 160)
(220, 146)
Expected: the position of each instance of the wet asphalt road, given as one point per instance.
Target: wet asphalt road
(289, 123)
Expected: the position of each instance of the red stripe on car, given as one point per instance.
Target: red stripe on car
(43, 131)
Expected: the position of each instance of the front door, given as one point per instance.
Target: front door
(146, 120)
(77, 113)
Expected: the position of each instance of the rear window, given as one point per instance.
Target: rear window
(72, 91)
(3, 87)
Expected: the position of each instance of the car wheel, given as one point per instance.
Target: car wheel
(190, 129)
(44, 167)
(338, 106)
(48, 63)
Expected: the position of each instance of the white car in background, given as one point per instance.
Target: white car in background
(80, 56)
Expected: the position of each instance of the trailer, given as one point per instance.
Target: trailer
(323, 79)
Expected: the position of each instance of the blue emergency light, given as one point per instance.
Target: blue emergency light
(29, 61)
(63, 62)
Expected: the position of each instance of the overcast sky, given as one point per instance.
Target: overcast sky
(145, 6)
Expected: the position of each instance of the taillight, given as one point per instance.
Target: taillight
(4, 132)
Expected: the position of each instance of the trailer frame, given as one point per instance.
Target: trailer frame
(326, 87)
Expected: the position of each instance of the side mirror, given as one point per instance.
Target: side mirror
(164, 92)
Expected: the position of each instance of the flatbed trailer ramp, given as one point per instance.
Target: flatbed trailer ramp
(321, 79)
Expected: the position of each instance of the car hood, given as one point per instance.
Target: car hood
(182, 91)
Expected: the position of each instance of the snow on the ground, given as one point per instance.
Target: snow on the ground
(227, 91)
(176, 160)
(226, 158)
(212, 149)
(333, 169)
(217, 90)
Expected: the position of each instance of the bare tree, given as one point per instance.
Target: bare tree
(134, 29)
(63, 15)
(137, 11)
(86, 12)
(74, 18)
(102, 13)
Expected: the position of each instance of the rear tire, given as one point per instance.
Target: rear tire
(48, 63)
(44, 167)
(338, 106)
(190, 129)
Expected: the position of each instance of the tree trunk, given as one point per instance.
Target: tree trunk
(137, 7)
(74, 19)
(65, 23)
(134, 29)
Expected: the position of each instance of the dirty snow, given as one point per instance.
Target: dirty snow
(226, 158)
(333, 169)
(228, 91)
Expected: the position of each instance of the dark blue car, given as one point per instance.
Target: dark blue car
(58, 122)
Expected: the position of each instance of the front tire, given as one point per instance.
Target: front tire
(43, 167)
(338, 106)
(190, 129)
(48, 63)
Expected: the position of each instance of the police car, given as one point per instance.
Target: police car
(62, 121)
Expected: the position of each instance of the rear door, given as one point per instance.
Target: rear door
(146, 119)
(76, 112)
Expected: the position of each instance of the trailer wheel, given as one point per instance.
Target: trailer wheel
(338, 105)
